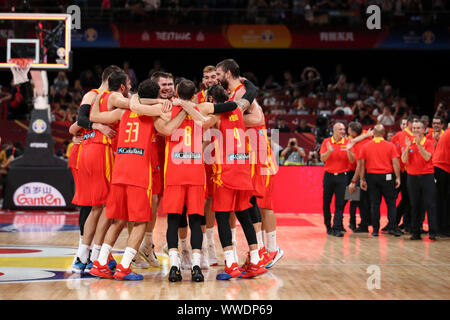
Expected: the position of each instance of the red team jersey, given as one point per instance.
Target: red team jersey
(132, 165)
(184, 163)
(201, 96)
(232, 164)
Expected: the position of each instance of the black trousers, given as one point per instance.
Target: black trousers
(363, 204)
(442, 178)
(334, 185)
(404, 206)
(422, 188)
(378, 185)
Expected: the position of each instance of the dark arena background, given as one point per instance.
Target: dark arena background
(316, 63)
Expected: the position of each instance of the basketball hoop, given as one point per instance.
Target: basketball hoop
(20, 69)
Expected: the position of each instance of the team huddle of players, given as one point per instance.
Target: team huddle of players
(205, 157)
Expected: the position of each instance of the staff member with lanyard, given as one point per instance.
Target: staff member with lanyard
(421, 186)
(380, 159)
(333, 152)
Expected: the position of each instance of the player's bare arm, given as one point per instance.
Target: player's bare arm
(166, 128)
(117, 100)
(255, 116)
(74, 128)
(138, 106)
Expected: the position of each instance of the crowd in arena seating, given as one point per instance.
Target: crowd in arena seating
(250, 11)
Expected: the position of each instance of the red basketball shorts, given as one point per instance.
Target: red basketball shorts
(94, 174)
(176, 197)
(209, 180)
(225, 199)
(130, 203)
(157, 182)
(75, 181)
(265, 202)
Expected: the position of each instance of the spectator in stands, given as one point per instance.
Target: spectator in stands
(399, 111)
(87, 80)
(310, 81)
(322, 110)
(300, 107)
(64, 98)
(4, 98)
(352, 94)
(131, 74)
(314, 159)
(282, 126)
(443, 112)
(378, 109)
(341, 87)
(288, 84)
(293, 155)
(61, 81)
(374, 99)
(426, 121)
(330, 94)
(389, 135)
(364, 87)
(386, 118)
(270, 83)
(363, 117)
(303, 127)
(343, 109)
(336, 74)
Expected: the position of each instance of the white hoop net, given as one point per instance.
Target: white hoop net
(20, 70)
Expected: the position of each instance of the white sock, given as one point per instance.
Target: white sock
(259, 238)
(204, 243)
(264, 237)
(196, 258)
(233, 235)
(83, 253)
(173, 258)
(254, 256)
(210, 235)
(229, 257)
(128, 256)
(104, 254)
(95, 252)
(272, 241)
(148, 240)
(184, 244)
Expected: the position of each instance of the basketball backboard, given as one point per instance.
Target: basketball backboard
(43, 37)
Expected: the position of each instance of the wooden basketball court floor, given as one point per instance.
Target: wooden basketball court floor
(36, 251)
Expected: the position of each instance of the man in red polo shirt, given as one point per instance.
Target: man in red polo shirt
(441, 163)
(437, 130)
(358, 139)
(404, 206)
(379, 159)
(421, 186)
(333, 152)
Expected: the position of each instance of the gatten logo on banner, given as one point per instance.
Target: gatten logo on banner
(38, 194)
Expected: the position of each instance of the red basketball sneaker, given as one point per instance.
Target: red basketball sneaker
(101, 271)
(254, 270)
(265, 256)
(231, 272)
(126, 274)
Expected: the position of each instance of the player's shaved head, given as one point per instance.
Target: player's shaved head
(378, 130)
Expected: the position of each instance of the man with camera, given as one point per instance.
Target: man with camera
(293, 155)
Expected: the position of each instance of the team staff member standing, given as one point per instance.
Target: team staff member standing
(421, 186)
(380, 159)
(441, 163)
(333, 153)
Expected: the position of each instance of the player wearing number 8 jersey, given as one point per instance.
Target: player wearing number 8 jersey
(185, 182)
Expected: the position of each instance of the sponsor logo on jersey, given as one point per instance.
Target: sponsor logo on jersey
(89, 135)
(238, 156)
(187, 155)
(137, 151)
